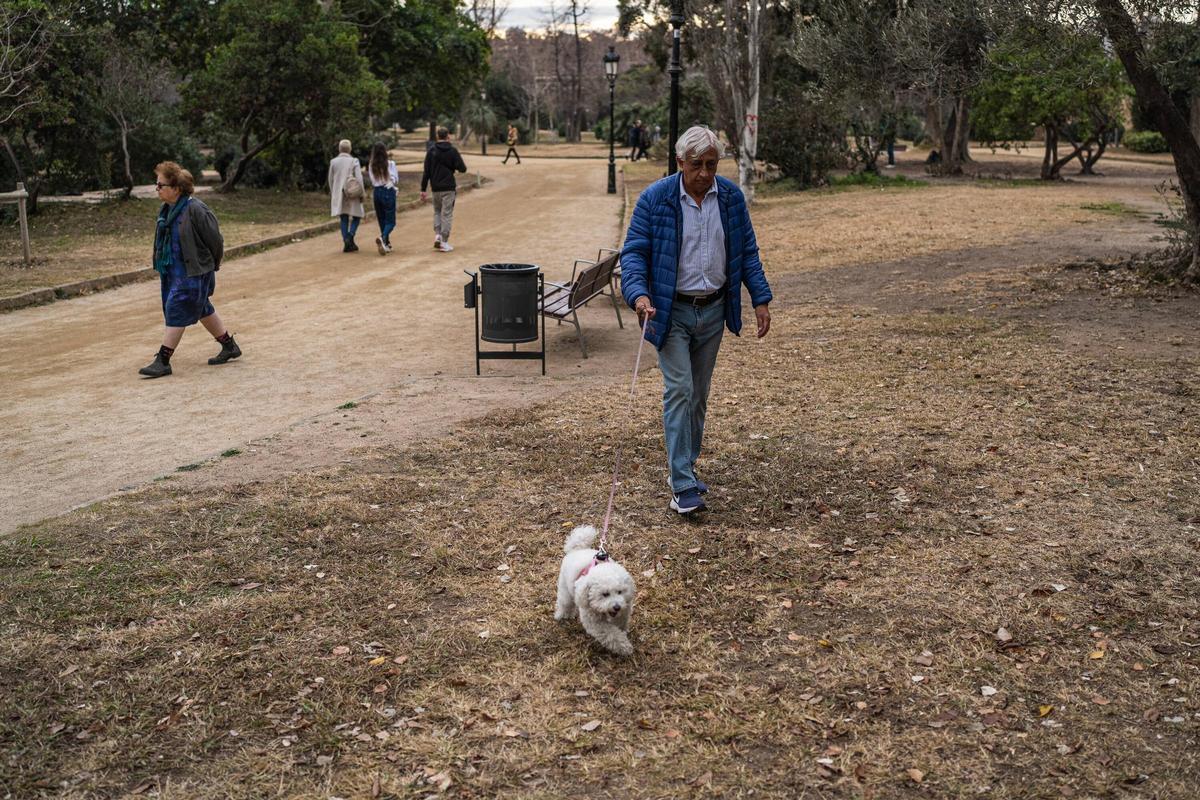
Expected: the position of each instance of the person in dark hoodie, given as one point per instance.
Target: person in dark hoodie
(441, 162)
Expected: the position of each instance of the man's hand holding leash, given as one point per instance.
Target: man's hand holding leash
(646, 311)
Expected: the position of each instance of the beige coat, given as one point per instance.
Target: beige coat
(341, 168)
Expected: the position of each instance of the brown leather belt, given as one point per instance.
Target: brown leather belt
(700, 301)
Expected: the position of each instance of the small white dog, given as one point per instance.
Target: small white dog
(602, 591)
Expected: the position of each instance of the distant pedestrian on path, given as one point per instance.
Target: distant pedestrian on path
(441, 162)
(513, 136)
(187, 254)
(643, 142)
(384, 177)
(634, 139)
(689, 250)
(346, 193)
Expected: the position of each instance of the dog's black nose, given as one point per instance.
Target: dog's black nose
(616, 609)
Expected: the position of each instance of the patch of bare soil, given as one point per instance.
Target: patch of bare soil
(949, 554)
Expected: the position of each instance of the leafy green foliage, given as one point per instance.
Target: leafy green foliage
(1042, 74)
(427, 52)
(287, 70)
(1145, 142)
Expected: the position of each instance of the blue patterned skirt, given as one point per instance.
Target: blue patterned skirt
(185, 298)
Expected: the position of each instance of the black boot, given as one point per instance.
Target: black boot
(229, 351)
(156, 368)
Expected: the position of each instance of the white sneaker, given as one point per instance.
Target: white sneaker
(380, 246)
(446, 247)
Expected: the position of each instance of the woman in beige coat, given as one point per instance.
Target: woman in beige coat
(348, 208)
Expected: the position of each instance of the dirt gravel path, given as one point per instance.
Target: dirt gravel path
(320, 329)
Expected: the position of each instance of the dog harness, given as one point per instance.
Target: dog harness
(600, 556)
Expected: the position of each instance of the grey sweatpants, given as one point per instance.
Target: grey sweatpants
(443, 213)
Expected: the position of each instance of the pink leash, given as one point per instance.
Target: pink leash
(612, 492)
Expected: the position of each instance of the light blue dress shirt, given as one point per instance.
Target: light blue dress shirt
(702, 251)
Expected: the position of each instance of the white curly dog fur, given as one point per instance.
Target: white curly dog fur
(604, 596)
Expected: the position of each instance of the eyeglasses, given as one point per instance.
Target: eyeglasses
(158, 185)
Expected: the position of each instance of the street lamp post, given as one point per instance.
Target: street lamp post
(675, 69)
(611, 62)
(482, 121)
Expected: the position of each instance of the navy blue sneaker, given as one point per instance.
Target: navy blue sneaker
(688, 501)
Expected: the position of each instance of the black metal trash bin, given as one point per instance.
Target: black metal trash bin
(508, 299)
(510, 303)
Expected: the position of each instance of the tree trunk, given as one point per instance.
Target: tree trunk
(748, 97)
(247, 156)
(1088, 157)
(947, 124)
(962, 130)
(125, 195)
(1185, 147)
(1050, 140)
(1196, 114)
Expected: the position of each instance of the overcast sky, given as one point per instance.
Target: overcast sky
(530, 14)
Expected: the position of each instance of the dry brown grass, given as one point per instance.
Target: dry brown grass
(890, 490)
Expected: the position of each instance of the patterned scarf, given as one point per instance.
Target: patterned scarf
(162, 234)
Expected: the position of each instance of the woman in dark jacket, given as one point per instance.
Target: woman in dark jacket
(187, 254)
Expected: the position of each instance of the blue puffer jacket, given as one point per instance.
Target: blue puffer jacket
(650, 257)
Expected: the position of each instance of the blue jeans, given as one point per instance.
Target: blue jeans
(349, 227)
(686, 359)
(385, 211)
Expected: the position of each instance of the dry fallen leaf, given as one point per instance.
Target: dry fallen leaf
(1003, 636)
(988, 691)
(590, 726)
(693, 550)
(341, 650)
(916, 775)
(1100, 701)
(1045, 711)
(375, 662)
(794, 637)
(1096, 654)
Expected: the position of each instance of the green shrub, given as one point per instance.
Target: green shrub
(1145, 142)
(804, 140)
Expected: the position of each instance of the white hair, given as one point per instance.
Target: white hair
(697, 140)
(344, 146)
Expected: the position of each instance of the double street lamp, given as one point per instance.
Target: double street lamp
(611, 62)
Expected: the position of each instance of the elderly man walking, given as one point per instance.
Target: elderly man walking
(689, 250)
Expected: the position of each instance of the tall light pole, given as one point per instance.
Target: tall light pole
(482, 123)
(611, 62)
(675, 68)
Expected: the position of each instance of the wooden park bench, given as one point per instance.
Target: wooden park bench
(562, 301)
